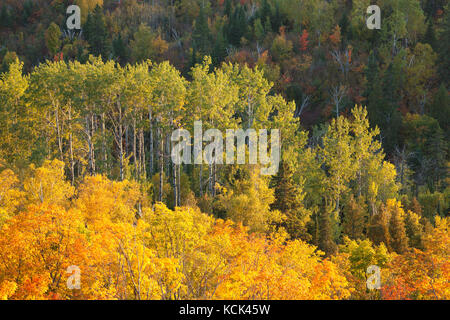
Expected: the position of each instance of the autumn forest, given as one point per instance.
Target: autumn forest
(87, 178)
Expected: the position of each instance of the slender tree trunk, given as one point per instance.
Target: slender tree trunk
(161, 166)
(214, 179)
(210, 179)
(151, 142)
(142, 169)
(104, 149)
(167, 157)
(127, 142)
(136, 171)
(72, 164)
(59, 134)
(179, 185)
(175, 187)
(120, 140)
(92, 143)
(359, 181)
(200, 179)
(90, 147)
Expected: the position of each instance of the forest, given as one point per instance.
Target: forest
(87, 179)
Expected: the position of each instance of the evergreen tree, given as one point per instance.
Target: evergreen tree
(277, 18)
(344, 24)
(415, 206)
(27, 10)
(5, 17)
(96, 33)
(430, 36)
(220, 48)
(237, 26)
(431, 7)
(228, 8)
(258, 29)
(383, 101)
(378, 230)
(193, 60)
(201, 36)
(424, 139)
(265, 12)
(388, 115)
(267, 25)
(288, 200)
(444, 48)
(326, 242)
(119, 49)
(354, 218)
(440, 109)
(372, 74)
(397, 232)
(414, 229)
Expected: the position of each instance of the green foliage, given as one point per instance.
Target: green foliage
(6, 19)
(337, 179)
(201, 34)
(362, 254)
(444, 47)
(96, 33)
(397, 231)
(237, 26)
(147, 45)
(119, 49)
(433, 204)
(354, 221)
(414, 230)
(424, 138)
(53, 39)
(439, 109)
(247, 199)
(289, 201)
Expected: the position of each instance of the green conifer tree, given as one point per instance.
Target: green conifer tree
(354, 218)
(288, 200)
(201, 35)
(96, 33)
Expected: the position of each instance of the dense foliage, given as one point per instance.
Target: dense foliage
(87, 179)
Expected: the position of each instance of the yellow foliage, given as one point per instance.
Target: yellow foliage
(47, 184)
(100, 198)
(10, 195)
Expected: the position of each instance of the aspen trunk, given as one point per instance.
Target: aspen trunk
(136, 171)
(120, 142)
(104, 149)
(179, 185)
(161, 166)
(175, 187)
(142, 169)
(92, 143)
(200, 179)
(72, 164)
(151, 142)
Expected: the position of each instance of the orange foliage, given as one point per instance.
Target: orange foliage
(157, 253)
(304, 40)
(422, 274)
